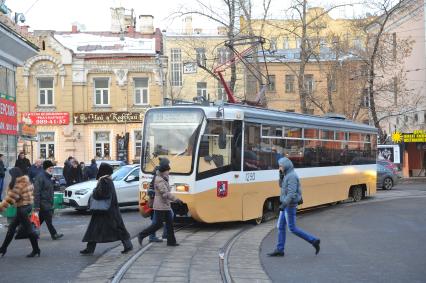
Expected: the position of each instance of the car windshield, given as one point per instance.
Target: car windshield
(121, 173)
(171, 133)
(57, 171)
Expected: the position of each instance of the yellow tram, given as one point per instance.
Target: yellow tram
(224, 158)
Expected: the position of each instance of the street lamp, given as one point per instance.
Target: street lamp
(19, 17)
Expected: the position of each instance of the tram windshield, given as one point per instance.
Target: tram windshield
(171, 133)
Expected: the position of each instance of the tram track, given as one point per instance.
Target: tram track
(223, 252)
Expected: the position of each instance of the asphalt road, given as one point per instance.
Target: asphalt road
(60, 260)
(379, 240)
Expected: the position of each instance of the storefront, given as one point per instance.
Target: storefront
(414, 152)
(109, 135)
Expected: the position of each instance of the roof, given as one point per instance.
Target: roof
(263, 115)
(106, 43)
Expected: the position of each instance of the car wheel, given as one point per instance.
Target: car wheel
(387, 183)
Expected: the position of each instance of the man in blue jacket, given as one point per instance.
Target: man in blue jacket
(291, 195)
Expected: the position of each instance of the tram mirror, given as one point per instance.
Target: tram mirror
(222, 140)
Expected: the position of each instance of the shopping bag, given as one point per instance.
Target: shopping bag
(146, 210)
(35, 226)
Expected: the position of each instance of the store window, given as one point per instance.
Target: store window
(141, 91)
(45, 92)
(138, 144)
(101, 91)
(102, 145)
(46, 145)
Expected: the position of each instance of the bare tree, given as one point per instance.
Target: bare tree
(384, 55)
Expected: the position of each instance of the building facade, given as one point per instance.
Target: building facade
(16, 47)
(87, 92)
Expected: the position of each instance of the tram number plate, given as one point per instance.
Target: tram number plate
(250, 177)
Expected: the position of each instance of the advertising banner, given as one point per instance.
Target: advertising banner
(46, 118)
(8, 119)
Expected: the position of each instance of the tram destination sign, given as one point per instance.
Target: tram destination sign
(107, 117)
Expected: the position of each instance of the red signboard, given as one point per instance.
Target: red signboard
(8, 120)
(46, 118)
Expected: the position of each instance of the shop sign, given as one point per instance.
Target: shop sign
(107, 117)
(27, 130)
(46, 118)
(8, 119)
(415, 136)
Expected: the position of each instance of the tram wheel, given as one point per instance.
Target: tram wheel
(356, 193)
(258, 220)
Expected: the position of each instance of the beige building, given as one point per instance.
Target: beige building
(187, 47)
(87, 92)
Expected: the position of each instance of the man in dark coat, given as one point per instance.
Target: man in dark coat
(67, 168)
(107, 226)
(23, 163)
(35, 169)
(75, 173)
(43, 198)
(92, 170)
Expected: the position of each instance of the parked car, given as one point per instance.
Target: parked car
(386, 178)
(390, 165)
(126, 182)
(59, 180)
(114, 163)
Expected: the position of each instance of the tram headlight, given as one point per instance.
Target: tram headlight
(182, 188)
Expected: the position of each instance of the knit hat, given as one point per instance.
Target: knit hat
(164, 165)
(47, 164)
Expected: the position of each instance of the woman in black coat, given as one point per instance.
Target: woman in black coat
(108, 226)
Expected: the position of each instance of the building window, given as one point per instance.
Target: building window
(394, 46)
(45, 92)
(223, 55)
(102, 145)
(397, 120)
(101, 91)
(271, 83)
(202, 89)
(416, 118)
(298, 42)
(221, 93)
(273, 44)
(331, 82)
(285, 43)
(141, 91)
(365, 98)
(309, 83)
(405, 118)
(176, 66)
(11, 83)
(424, 117)
(138, 144)
(395, 90)
(46, 145)
(201, 56)
(289, 83)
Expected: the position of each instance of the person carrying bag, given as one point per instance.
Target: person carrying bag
(106, 224)
(20, 194)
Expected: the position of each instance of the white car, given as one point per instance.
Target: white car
(126, 182)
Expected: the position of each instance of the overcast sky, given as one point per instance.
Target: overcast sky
(95, 14)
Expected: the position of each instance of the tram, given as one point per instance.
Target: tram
(224, 158)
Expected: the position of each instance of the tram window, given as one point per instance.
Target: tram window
(312, 152)
(252, 161)
(327, 135)
(354, 137)
(293, 132)
(330, 155)
(272, 131)
(293, 150)
(311, 133)
(270, 152)
(341, 136)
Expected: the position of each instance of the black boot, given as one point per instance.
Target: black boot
(316, 245)
(128, 246)
(89, 250)
(6, 242)
(57, 236)
(34, 245)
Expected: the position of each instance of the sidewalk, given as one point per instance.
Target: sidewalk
(413, 180)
